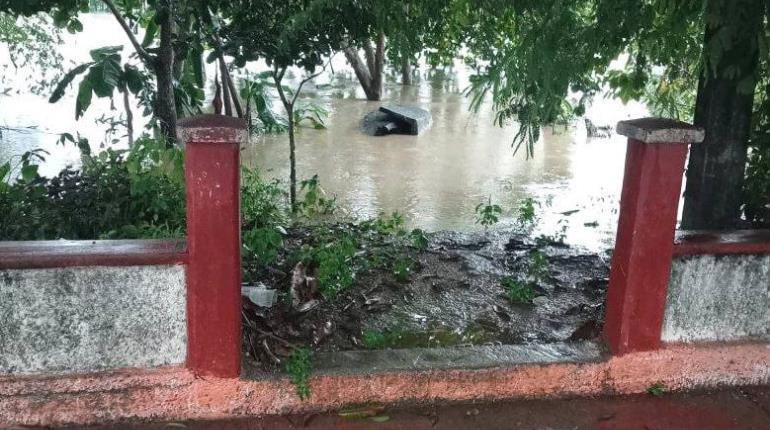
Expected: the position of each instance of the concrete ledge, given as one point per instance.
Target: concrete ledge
(69, 253)
(174, 393)
(660, 130)
(695, 242)
(468, 358)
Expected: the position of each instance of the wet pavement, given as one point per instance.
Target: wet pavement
(745, 408)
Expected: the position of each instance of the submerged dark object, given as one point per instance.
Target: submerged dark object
(397, 119)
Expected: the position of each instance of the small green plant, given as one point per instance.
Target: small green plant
(526, 215)
(419, 239)
(262, 245)
(385, 225)
(402, 269)
(518, 291)
(315, 202)
(299, 366)
(335, 261)
(656, 389)
(488, 214)
(538, 266)
(374, 339)
(263, 204)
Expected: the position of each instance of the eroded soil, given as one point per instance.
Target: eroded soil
(454, 296)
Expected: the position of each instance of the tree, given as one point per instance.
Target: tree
(178, 86)
(105, 75)
(369, 73)
(715, 173)
(404, 26)
(284, 33)
(529, 64)
(161, 63)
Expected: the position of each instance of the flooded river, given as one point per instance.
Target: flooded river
(435, 179)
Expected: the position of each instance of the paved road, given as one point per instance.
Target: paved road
(734, 409)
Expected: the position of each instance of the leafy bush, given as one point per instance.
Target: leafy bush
(373, 339)
(114, 194)
(261, 246)
(419, 239)
(336, 266)
(392, 225)
(538, 267)
(402, 269)
(263, 204)
(526, 211)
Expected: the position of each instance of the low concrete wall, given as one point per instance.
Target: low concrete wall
(718, 298)
(174, 393)
(80, 319)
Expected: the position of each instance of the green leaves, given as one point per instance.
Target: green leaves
(488, 213)
(299, 366)
(83, 101)
(263, 245)
(104, 75)
(61, 87)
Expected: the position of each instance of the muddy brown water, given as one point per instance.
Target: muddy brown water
(435, 179)
(438, 178)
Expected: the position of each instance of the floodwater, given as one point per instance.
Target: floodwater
(435, 179)
(438, 178)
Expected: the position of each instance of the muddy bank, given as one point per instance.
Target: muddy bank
(457, 290)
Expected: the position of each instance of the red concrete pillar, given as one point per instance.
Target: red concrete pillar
(641, 263)
(212, 176)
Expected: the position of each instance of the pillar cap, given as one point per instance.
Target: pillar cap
(660, 130)
(212, 128)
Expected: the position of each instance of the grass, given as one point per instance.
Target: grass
(656, 389)
(518, 291)
(299, 366)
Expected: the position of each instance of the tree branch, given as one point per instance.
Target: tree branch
(308, 79)
(144, 55)
(277, 78)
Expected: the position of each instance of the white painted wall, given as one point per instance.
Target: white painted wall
(91, 318)
(718, 298)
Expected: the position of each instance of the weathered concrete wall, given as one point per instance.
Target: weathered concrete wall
(80, 319)
(718, 298)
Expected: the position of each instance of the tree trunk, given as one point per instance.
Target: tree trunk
(288, 105)
(165, 105)
(225, 87)
(723, 107)
(233, 92)
(406, 71)
(129, 119)
(292, 161)
(369, 73)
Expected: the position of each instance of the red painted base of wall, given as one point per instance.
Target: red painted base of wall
(177, 394)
